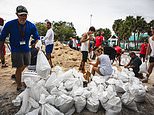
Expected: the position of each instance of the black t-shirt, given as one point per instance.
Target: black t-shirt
(136, 62)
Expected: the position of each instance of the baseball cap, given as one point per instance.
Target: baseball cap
(21, 10)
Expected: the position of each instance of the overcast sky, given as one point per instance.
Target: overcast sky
(104, 12)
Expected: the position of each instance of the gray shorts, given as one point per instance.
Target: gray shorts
(20, 58)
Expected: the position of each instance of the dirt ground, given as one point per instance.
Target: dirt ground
(66, 58)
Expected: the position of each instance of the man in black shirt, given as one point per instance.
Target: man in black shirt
(134, 63)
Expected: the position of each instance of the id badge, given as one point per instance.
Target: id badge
(22, 42)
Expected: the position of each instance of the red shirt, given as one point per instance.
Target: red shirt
(118, 49)
(98, 41)
(143, 48)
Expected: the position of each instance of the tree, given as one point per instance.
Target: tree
(63, 30)
(41, 28)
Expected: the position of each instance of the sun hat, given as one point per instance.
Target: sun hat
(21, 10)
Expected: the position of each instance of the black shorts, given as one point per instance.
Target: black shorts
(142, 55)
(151, 60)
(84, 56)
(20, 59)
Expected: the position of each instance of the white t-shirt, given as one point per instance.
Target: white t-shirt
(85, 45)
(151, 42)
(105, 65)
(49, 37)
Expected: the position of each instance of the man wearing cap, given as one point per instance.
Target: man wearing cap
(49, 41)
(19, 31)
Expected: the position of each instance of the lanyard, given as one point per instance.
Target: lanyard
(22, 31)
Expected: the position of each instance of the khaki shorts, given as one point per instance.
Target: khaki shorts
(20, 58)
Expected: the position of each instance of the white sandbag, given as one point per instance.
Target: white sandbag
(71, 111)
(48, 109)
(33, 103)
(64, 103)
(34, 112)
(56, 91)
(25, 107)
(138, 91)
(51, 79)
(58, 70)
(42, 99)
(92, 104)
(98, 80)
(143, 68)
(37, 90)
(78, 75)
(69, 84)
(43, 67)
(128, 101)
(38, 44)
(123, 76)
(29, 82)
(33, 75)
(51, 99)
(118, 84)
(113, 106)
(80, 103)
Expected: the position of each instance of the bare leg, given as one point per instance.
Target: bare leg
(18, 73)
(150, 68)
(49, 59)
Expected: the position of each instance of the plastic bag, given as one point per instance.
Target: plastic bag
(143, 68)
(43, 67)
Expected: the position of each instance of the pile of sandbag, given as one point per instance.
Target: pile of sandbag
(57, 92)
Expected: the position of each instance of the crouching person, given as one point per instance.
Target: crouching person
(103, 64)
(134, 63)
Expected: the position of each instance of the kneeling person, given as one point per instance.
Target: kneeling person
(103, 64)
(134, 63)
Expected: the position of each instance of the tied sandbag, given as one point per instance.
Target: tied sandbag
(64, 103)
(138, 90)
(143, 68)
(80, 103)
(34, 112)
(48, 109)
(25, 107)
(117, 83)
(71, 111)
(110, 102)
(71, 82)
(79, 99)
(92, 104)
(113, 106)
(128, 101)
(30, 74)
(43, 67)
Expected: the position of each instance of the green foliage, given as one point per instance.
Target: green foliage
(107, 32)
(63, 30)
(41, 27)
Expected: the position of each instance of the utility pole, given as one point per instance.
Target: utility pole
(91, 19)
